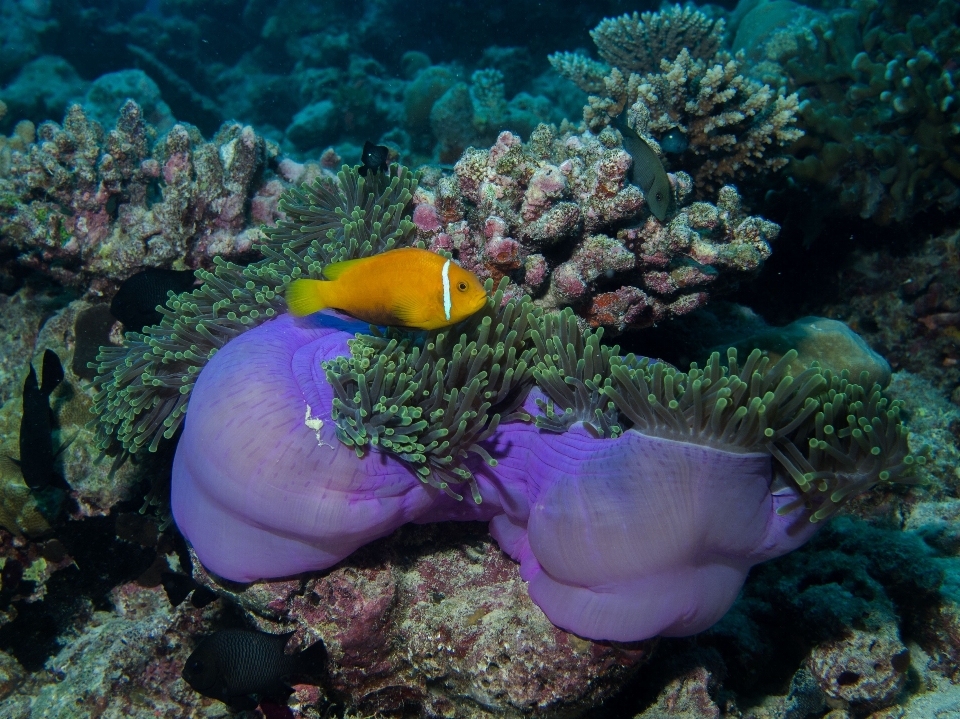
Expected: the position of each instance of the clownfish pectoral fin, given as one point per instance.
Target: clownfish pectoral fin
(406, 308)
(332, 272)
(304, 297)
(407, 314)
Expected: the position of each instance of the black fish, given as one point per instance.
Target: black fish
(374, 158)
(36, 424)
(135, 303)
(178, 586)
(240, 667)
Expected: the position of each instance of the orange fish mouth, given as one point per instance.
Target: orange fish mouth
(480, 303)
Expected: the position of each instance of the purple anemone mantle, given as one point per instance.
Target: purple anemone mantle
(619, 539)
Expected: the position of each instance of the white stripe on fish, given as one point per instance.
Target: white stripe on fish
(445, 275)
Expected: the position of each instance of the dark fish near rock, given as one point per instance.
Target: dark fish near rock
(36, 424)
(374, 158)
(647, 172)
(135, 303)
(242, 667)
(178, 586)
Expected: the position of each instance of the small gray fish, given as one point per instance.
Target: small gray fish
(647, 172)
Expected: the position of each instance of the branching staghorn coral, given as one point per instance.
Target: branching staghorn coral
(430, 400)
(728, 122)
(584, 72)
(831, 437)
(715, 123)
(143, 387)
(637, 43)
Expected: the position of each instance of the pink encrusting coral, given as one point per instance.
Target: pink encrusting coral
(566, 196)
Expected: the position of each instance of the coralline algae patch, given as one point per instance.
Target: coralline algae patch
(436, 618)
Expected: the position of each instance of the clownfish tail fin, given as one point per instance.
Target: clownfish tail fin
(304, 297)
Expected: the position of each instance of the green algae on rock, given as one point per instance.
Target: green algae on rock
(142, 388)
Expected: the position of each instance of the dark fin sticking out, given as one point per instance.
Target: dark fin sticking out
(36, 424)
(177, 586)
(375, 158)
(52, 373)
(202, 597)
(135, 303)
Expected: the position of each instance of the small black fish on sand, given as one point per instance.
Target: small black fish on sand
(242, 667)
(36, 447)
(374, 158)
(135, 303)
(178, 586)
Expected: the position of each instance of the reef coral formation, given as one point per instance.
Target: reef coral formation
(551, 216)
(428, 406)
(879, 102)
(696, 101)
(87, 207)
(565, 196)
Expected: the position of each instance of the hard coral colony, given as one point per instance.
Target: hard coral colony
(634, 496)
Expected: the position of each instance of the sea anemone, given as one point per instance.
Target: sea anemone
(635, 497)
(651, 492)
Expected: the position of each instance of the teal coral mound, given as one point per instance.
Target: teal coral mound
(143, 387)
(831, 437)
(432, 399)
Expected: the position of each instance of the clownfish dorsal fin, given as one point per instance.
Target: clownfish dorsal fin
(332, 272)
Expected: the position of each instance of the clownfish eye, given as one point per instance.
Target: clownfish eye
(462, 286)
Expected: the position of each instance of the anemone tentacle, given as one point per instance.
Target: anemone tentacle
(431, 400)
(853, 436)
(142, 388)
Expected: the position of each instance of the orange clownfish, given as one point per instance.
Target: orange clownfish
(407, 287)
